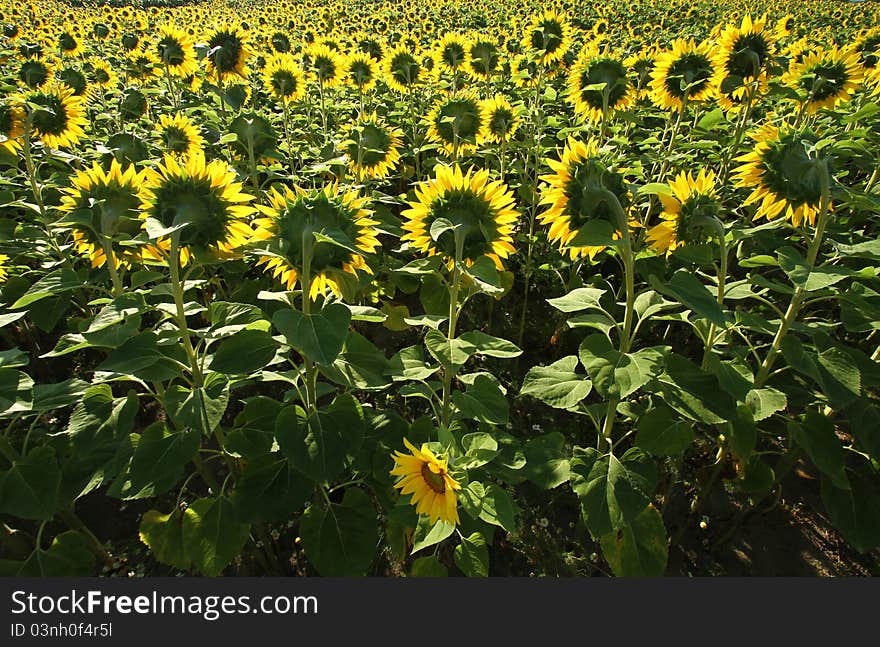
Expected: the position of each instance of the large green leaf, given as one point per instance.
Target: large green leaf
(490, 346)
(16, 392)
(638, 549)
(318, 336)
(244, 352)
(254, 430)
(817, 437)
(141, 357)
(51, 284)
(617, 374)
(163, 534)
(578, 299)
(452, 354)
(686, 288)
(269, 489)
(63, 394)
(472, 556)
(340, 538)
(200, 408)
(483, 401)
(557, 384)
(409, 364)
(662, 432)
(360, 365)
(491, 503)
(855, 512)
(67, 556)
(29, 488)
(428, 534)
(612, 491)
(693, 392)
(319, 445)
(547, 464)
(428, 566)
(213, 534)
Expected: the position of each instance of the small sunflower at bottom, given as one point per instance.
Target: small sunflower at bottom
(426, 477)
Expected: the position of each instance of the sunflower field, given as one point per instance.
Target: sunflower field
(335, 287)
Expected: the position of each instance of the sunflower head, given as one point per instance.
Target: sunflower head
(549, 36)
(426, 477)
(4, 259)
(11, 126)
(102, 208)
(203, 201)
(457, 123)
(826, 77)
(683, 75)
(403, 69)
(372, 148)
(744, 52)
(325, 64)
(484, 58)
(283, 77)
(642, 64)
(102, 74)
(785, 174)
(480, 211)
(452, 54)
(599, 85)
(502, 119)
(36, 72)
(179, 136)
(228, 51)
(58, 116)
(690, 213)
(286, 232)
(360, 71)
(174, 49)
(868, 47)
(579, 191)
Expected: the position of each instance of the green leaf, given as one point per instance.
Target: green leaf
(617, 374)
(119, 310)
(693, 392)
(577, 300)
(855, 512)
(557, 385)
(490, 346)
(817, 438)
(54, 283)
(254, 430)
(497, 508)
(472, 556)
(319, 445)
(14, 358)
(687, 289)
(29, 488)
(360, 365)
(742, 435)
(485, 276)
(141, 357)
(317, 336)
(765, 402)
(452, 354)
(269, 489)
(340, 539)
(595, 232)
(201, 408)
(612, 491)
(16, 392)
(483, 401)
(865, 426)
(213, 534)
(427, 534)
(54, 396)
(428, 566)
(547, 464)
(479, 449)
(163, 535)
(158, 456)
(67, 556)
(833, 370)
(244, 352)
(639, 549)
(817, 278)
(661, 432)
(409, 364)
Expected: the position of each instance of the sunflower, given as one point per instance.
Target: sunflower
(745, 53)
(283, 77)
(868, 47)
(642, 63)
(549, 36)
(59, 118)
(103, 206)
(206, 197)
(143, 65)
(689, 214)
(69, 44)
(457, 123)
(179, 135)
(682, 74)
(402, 69)
(524, 71)
(36, 72)
(575, 195)
(451, 54)
(372, 148)
(175, 50)
(11, 126)
(229, 51)
(325, 64)
(483, 59)
(482, 209)
(360, 71)
(591, 70)
(784, 178)
(785, 26)
(291, 219)
(827, 76)
(426, 477)
(3, 270)
(502, 119)
(103, 75)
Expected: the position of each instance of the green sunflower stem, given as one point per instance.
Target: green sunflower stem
(287, 136)
(738, 133)
(675, 128)
(626, 333)
(177, 290)
(800, 294)
(110, 260)
(722, 279)
(448, 374)
(308, 241)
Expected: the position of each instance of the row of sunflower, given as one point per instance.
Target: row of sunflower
(307, 245)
